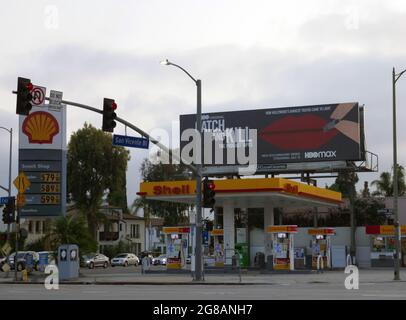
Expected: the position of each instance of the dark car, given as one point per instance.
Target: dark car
(22, 258)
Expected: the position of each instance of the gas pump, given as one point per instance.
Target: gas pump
(283, 246)
(176, 241)
(321, 246)
(217, 245)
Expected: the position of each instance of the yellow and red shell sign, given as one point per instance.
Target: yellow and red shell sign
(388, 230)
(40, 127)
(282, 229)
(175, 230)
(245, 186)
(321, 231)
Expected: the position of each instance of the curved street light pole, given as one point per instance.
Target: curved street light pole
(198, 275)
(395, 78)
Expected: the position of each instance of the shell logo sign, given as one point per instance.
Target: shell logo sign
(40, 127)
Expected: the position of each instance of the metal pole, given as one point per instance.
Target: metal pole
(395, 183)
(9, 183)
(199, 264)
(9, 176)
(130, 125)
(16, 249)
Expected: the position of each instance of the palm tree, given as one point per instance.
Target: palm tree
(384, 185)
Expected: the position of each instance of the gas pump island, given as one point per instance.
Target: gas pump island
(282, 246)
(321, 246)
(176, 241)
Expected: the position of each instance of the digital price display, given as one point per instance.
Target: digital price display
(50, 177)
(50, 199)
(50, 188)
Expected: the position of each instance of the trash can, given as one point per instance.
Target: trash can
(259, 260)
(269, 262)
(235, 260)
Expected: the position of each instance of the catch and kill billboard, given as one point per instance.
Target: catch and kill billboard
(329, 132)
(42, 157)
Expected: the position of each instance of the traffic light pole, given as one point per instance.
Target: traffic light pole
(130, 125)
(199, 257)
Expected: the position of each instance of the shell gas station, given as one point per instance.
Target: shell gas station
(303, 141)
(232, 195)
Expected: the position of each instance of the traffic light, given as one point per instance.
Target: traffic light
(24, 96)
(8, 212)
(109, 115)
(209, 194)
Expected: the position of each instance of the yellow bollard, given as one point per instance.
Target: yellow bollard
(25, 275)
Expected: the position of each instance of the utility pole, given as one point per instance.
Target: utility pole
(395, 78)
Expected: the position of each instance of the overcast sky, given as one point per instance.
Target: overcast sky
(249, 55)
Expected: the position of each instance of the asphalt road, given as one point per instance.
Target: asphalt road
(314, 291)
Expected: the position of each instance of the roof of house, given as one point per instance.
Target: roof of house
(127, 216)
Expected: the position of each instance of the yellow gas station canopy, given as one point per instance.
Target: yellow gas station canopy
(252, 192)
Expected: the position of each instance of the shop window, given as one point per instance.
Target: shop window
(30, 229)
(135, 231)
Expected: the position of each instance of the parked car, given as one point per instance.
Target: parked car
(125, 259)
(95, 260)
(161, 260)
(22, 257)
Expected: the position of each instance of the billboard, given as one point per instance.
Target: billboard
(316, 133)
(42, 157)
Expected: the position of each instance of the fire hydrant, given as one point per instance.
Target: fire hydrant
(25, 275)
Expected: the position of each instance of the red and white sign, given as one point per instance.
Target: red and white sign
(38, 95)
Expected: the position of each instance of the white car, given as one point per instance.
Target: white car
(125, 259)
(161, 260)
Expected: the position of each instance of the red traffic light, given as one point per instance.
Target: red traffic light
(29, 86)
(114, 106)
(212, 186)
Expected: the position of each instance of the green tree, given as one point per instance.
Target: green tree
(384, 185)
(366, 211)
(345, 183)
(66, 230)
(173, 213)
(96, 169)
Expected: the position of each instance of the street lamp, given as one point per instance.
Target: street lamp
(395, 77)
(198, 276)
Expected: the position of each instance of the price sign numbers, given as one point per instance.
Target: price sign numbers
(50, 199)
(50, 177)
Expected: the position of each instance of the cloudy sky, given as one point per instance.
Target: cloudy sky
(249, 55)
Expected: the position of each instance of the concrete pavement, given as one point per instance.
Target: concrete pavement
(134, 276)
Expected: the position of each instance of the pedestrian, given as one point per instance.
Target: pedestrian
(145, 264)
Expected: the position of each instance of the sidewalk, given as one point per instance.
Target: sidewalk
(249, 278)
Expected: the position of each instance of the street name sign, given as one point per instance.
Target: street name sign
(5, 200)
(133, 142)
